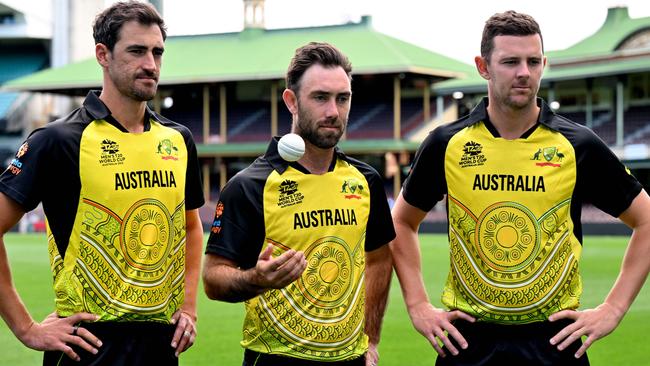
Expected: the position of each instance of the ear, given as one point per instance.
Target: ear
(544, 64)
(482, 67)
(102, 54)
(290, 100)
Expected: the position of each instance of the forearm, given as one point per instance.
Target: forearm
(634, 271)
(378, 276)
(194, 246)
(12, 309)
(407, 262)
(635, 266)
(229, 283)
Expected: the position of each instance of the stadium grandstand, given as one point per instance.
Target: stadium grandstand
(23, 50)
(227, 89)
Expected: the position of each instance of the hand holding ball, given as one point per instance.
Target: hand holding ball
(291, 147)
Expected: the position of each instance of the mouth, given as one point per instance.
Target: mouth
(147, 78)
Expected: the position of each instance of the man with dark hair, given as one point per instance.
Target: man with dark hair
(299, 241)
(516, 175)
(120, 188)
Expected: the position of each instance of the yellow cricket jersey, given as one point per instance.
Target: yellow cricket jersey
(333, 218)
(514, 210)
(115, 204)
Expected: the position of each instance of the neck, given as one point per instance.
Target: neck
(127, 111)
(316, 160)
(512, 123)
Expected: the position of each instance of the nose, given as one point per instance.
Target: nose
(149, 62)
(331, 109)
(523, 71)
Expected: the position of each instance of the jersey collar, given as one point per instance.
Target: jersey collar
(280, 165)
(98, 110)
(546, 115)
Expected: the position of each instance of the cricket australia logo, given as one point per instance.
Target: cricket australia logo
(111, 154)
(167, 149)
(350, 187)
(472, 155)
(289, 194)
(552, 156)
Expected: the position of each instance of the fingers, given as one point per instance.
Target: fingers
(564, 314)
(436, 325)
(88, 340)
(587, 343)
(434, 343)
(564, 333)
(68, 351)
(266, 253)
(280, 271)
(457, 314)
(185, 333)
(80, 341)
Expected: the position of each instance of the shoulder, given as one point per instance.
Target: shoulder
(368, 171)
(67, 128)
(250, 179)
(579, 136)
(166, 122)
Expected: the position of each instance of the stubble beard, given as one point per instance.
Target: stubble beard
(309, 131)
(126, 85)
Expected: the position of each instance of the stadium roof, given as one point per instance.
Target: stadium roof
(599, 55)
(617, 29)
(259, 54)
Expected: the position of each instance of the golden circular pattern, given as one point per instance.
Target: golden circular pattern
(507, 237)
(145, 235)
(327, 280)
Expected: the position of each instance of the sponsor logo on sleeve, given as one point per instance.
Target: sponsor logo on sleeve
(216, 224)
(16, 166)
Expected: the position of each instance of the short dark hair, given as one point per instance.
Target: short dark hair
(108, 23)
(314, 53)
(509, 23)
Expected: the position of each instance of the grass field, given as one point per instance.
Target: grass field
(219, 324)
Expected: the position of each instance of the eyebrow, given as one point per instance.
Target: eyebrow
(330, 93)
(143, 47)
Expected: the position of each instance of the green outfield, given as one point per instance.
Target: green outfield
(219, 324)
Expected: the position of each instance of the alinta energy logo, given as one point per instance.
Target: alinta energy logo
(350, 187)
(111, 154)
(472, 155)
(552, 156)
(16, 166)
(289, 194)
(167, 149)
(216, 224)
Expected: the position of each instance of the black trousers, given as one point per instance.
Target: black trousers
(252, 358)
(123, 343)
(505, 345)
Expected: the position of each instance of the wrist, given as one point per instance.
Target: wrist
(21, 332)
(254, 281)
(618, 310)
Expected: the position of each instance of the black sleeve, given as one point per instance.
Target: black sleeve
(380, 230)
(426, 183)
(602, 179)
(24, 178)
(194, 197)
(238, 228)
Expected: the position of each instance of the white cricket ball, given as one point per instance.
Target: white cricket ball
(291, 147)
